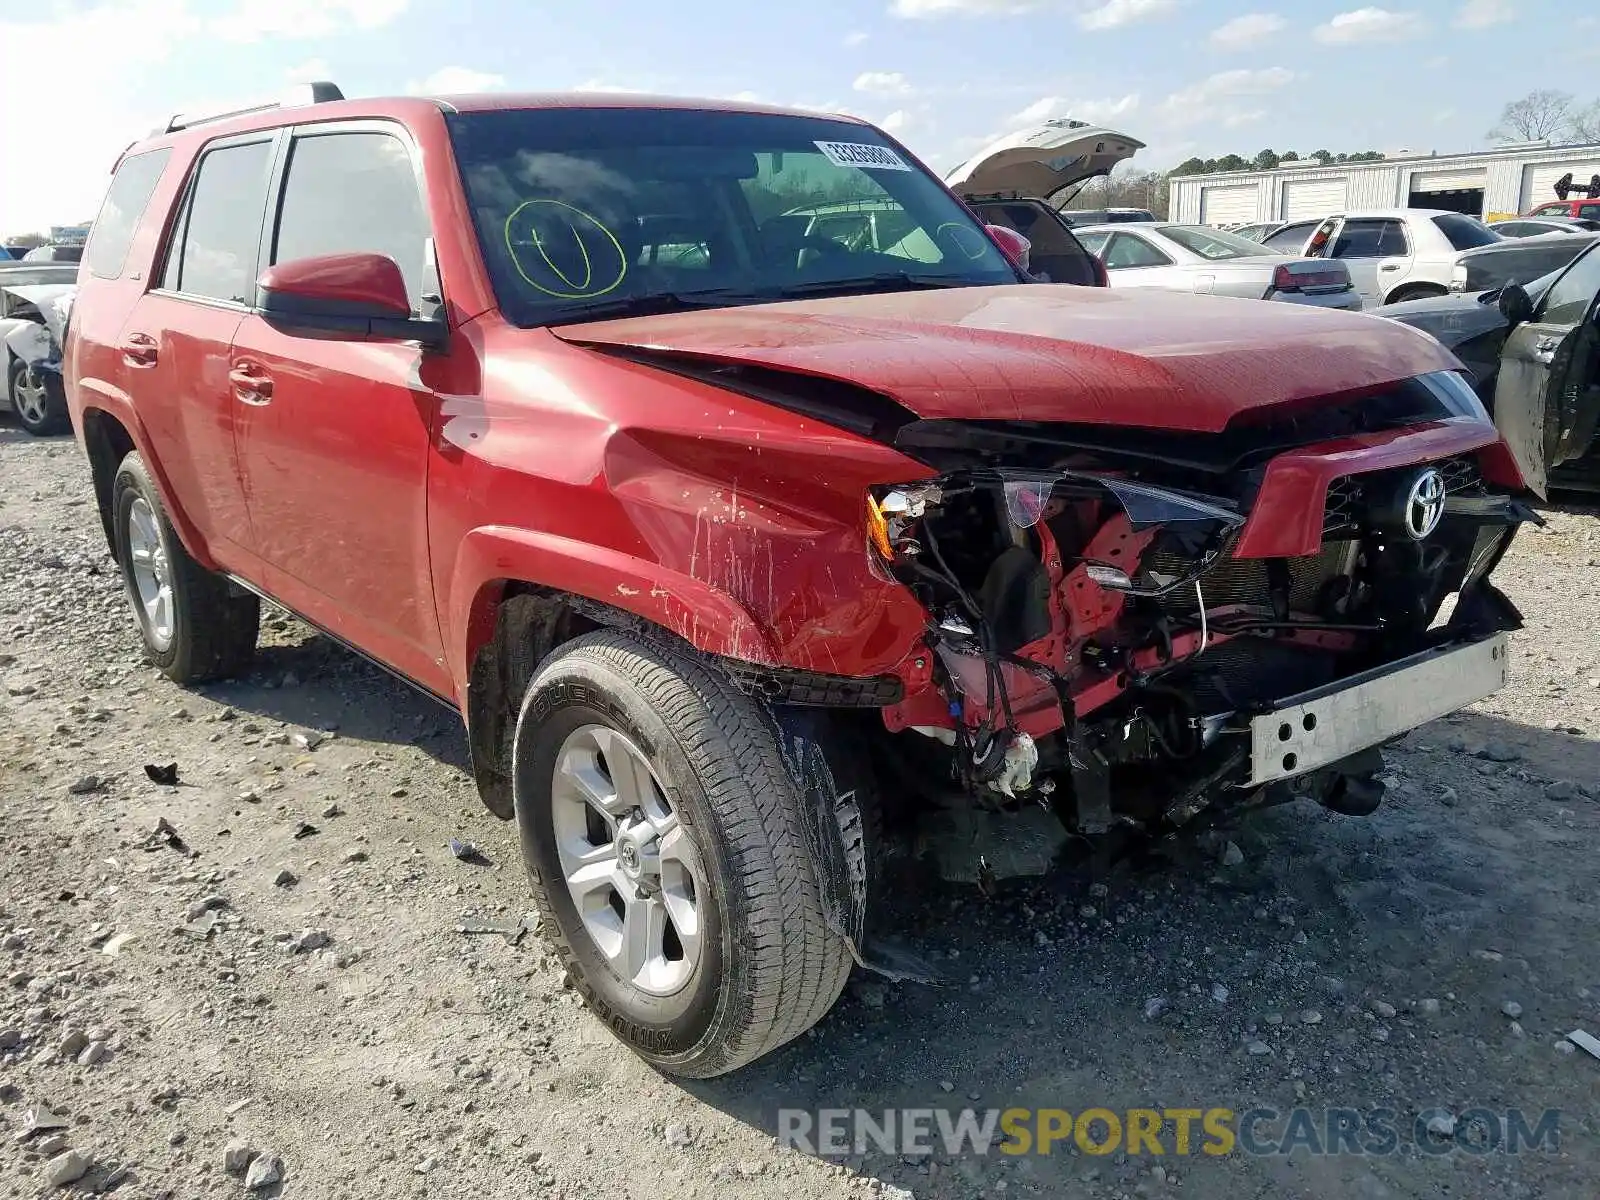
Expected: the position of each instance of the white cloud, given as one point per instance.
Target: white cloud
(882, 83)
(1095, 112)
(1216, 98)
(857, 38)
(914, 9)
(1248, 30)
(1115, 13)
(452, 81)
(255, 20)
(1480, 14)
(1370, 25)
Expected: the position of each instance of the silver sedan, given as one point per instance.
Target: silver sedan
(1197, 258)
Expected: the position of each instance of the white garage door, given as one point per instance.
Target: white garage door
(1448, 181)
(1228, 204)
(1539, 182)
(1304, 199)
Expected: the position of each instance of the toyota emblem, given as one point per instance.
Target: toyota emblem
(1424, 504)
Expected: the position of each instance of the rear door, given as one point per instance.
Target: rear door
(334, 435)
(174, 346)
(1546, 400)
(1376, 253)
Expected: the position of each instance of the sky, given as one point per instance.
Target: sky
(1187, 77)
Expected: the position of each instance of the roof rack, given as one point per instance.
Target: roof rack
(321, 92)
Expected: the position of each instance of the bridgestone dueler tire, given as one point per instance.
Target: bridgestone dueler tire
(214, 630)
(770, 967)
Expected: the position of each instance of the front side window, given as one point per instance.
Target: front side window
(355, 192)
(215, 254)
(1127, 251)
(750, 206)
(1573, 294)
(130, 192)
(1589, 212)
(1211, 243)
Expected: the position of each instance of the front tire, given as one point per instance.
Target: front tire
(39, 399)
(194, 627)
(664, 842)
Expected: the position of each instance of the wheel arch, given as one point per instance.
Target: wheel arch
(517, 594)
(108, 434)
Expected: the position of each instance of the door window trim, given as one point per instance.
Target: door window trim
(279, 182)
(180, 222)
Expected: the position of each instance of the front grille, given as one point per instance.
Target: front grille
(1245, 580)
(1347, 495)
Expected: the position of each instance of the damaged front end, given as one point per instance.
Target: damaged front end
(1106, 640)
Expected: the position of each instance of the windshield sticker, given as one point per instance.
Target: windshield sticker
(855, 154)
(563, 251)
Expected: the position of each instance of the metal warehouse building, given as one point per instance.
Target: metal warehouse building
(1492, 183)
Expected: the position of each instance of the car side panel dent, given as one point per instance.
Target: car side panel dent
(490, 556)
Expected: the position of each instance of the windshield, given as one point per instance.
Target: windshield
(1212, 243)
(587, 211)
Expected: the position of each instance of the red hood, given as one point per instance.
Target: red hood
(1046, 352)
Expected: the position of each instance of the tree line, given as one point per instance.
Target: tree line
(1269, 160)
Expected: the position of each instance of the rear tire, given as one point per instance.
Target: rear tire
(194, 627)
(39, 399)
(765, 965)
(1414, 291)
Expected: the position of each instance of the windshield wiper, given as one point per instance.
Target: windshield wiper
(652, 304)
(885, 281)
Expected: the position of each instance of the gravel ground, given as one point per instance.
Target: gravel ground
(282, 973)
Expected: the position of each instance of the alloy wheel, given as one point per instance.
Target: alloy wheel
(631, 867)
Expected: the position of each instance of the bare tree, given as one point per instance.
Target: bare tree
(1586, 124)
(1539, 114)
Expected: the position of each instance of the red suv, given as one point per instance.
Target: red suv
(726, 536)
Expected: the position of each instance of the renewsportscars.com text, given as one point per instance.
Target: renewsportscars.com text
(1180, 1132)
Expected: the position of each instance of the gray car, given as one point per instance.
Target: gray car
(1197, 258)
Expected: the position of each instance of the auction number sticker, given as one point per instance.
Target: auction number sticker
(856, 154)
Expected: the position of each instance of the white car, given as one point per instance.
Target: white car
(1198, 258)
(1394, 254)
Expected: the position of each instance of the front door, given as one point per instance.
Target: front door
(1547, 396)
(333, 435)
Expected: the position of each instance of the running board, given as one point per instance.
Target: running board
(354, 649)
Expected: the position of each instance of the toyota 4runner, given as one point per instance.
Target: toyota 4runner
(723, 534)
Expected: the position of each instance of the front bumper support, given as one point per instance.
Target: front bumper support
(1315, 729)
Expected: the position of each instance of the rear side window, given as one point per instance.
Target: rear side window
(1127, 251)
(1371, 239)
(1465, 233)
(355, 192)
(214, 253)
(1588, 211)
(125, 202)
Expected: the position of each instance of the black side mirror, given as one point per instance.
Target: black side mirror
(1515, 305)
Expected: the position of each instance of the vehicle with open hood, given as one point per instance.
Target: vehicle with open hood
(34, 301)
(1022, 181)
(737, 544)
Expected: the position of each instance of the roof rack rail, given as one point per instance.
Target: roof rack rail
(321, 92)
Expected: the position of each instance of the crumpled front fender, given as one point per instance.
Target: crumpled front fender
(705, 617)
